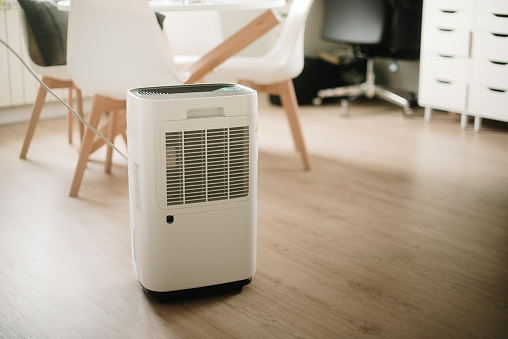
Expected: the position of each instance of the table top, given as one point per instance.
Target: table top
(203, 5)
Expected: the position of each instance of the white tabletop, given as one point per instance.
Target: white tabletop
(203, 5)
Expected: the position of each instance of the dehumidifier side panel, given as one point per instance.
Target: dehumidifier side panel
(196, 249)
(133, 167)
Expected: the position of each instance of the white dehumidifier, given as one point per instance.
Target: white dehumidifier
(192, 187)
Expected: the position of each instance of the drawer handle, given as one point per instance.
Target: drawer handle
(501, 15)
(496, 90)
(447, 30)
(500, 35)
(444, 81)
(449, 12)
(499, 63)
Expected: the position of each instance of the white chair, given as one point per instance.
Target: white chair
(48, 24)
(273, 72)
(114, 46)
(192, 34)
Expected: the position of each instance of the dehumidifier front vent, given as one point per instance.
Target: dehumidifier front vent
(207, 165)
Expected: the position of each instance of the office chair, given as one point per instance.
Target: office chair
(273, 72)
(373, 28)
(45, 33)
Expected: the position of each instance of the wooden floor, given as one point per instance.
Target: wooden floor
(400, 230)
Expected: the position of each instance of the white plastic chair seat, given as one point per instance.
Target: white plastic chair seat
(56, 72)
(260, 70)
(236, 67)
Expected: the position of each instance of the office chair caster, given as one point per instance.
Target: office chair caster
(407, 112)
(317, 101)
(344, 108)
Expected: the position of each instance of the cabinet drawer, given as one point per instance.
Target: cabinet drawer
(445, 18)
(444, 95)
(449, 4)
(490, 73)
(488, 103)
(492, 22)
(446, 41)
(496, 6)
(490, 46)
(447, 68)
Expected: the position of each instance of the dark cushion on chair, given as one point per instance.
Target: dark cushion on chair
(160, 19)
(48, 26)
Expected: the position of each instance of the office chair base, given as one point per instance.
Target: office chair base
(368, 90)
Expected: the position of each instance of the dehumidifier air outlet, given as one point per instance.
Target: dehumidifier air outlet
(207, 165)
(167, 91)
(146, 93)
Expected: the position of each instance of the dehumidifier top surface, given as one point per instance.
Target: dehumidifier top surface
(191, 91)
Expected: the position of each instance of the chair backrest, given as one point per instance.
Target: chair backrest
(44, 30)
(288, 51)
(358, 22)
(380, 27)
(193, 33)
(116, 45)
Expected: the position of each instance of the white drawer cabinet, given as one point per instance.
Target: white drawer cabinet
(447, 41)
(496, 6)
(448, 95)
(464, 58)
(446, 68)
(450, 4)
(492, 22)
(492, 46)
(489, 102)
(490, 73)
(449, 18)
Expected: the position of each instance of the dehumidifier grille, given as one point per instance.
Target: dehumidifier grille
(207, 165)
(146, 93)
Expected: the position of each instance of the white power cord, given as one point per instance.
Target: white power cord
(62, 101)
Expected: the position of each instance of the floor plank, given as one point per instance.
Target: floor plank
(399, 230)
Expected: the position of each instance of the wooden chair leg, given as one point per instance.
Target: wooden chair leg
(286, 91)
(121, 125)
(34, 118)
(79, 104)
(289, 102)
(100, 105)
(86, 146)
(111, 137)
(70, 118)
(124, 136)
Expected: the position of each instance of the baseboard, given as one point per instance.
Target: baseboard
(51, 110)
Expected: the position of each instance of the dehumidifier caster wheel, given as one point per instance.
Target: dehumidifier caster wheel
(317, 101)
(408, 112)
